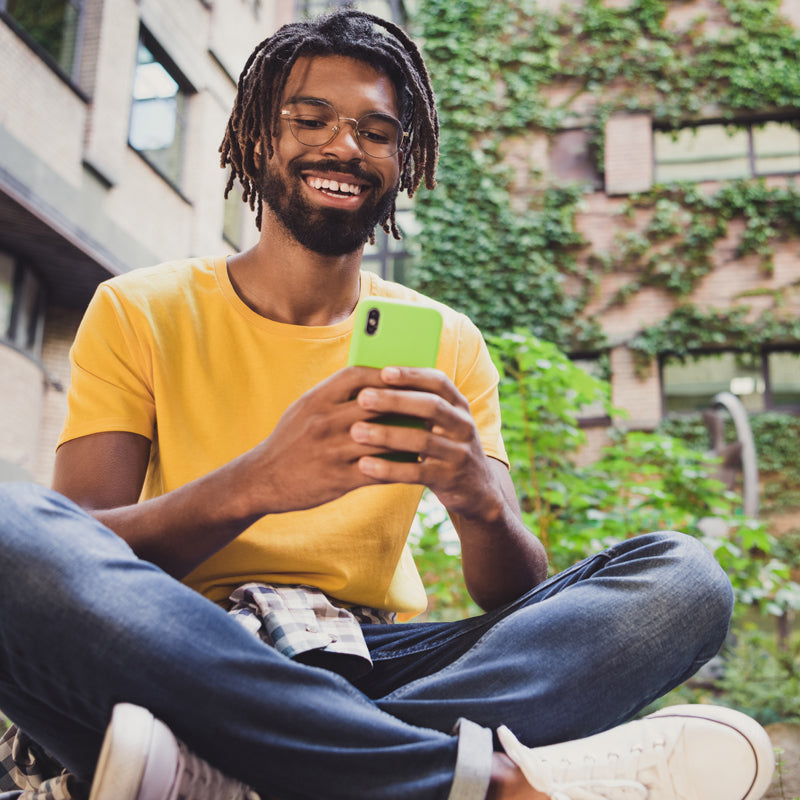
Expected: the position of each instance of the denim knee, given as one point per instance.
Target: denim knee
(694, 583)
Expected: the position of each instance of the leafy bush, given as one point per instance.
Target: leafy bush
(641, 482)
(762, 676)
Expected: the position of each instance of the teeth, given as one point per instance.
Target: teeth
(334, 186)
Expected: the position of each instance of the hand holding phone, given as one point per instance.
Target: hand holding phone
(390, 332)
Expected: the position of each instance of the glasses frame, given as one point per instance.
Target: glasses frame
(336, 129)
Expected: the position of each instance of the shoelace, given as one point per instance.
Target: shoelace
(200, 781)
(552, 778)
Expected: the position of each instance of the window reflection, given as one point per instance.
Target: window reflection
(727, 152)
(771, 381)
(158, 110)
(784, 374)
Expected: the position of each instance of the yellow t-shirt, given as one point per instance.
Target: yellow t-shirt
(172, 353)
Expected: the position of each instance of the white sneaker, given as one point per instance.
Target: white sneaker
(142, 760)
(688, 752)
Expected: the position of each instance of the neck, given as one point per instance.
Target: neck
(285, 282)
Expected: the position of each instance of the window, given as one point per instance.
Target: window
(54, 25)
(158, 113)
(21, 306)
(233, 217)
(388, 256)
(784, 378)
(766, 381)
(571, 159)
(724, 152)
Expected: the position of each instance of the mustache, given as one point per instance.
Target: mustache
(332, 165)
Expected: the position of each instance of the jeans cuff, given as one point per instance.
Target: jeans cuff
(473, 762)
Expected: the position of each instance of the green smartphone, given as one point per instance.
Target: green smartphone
(393, 333)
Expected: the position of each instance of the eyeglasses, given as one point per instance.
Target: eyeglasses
(315, 123)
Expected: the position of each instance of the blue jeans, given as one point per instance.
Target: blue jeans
(84, 624)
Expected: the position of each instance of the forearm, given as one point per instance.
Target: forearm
(179, 530)
(309, 459)
(501, 558)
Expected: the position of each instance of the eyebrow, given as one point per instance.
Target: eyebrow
(304, 99)
(321, 101)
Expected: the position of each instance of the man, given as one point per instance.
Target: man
(215, 436)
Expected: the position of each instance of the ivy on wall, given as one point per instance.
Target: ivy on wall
(511, 262)
(689, 329)
(675, 248)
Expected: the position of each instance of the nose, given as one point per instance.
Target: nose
(345, 139)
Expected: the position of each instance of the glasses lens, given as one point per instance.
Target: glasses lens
(313, 124)
(379, 135)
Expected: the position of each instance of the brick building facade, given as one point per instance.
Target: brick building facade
(632, 163)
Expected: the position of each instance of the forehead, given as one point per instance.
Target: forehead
(351, 85)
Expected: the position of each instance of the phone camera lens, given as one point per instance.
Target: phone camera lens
(372, 321)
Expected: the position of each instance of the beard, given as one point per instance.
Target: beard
(327, 231)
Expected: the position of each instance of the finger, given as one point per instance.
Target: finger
(381, 470)
(342, 386)
(440, 455)
(423, 379)
(438, 413)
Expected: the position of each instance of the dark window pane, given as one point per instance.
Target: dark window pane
(51, 23)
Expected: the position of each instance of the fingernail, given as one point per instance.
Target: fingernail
(359, 432)
(390, 373)
(368, 397)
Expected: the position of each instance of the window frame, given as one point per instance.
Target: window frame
(185, 88)
(30, 341)
(747, 125)
(71, 76)
(762, 356)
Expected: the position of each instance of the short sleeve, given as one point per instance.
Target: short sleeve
(477, 379)
(111, 371)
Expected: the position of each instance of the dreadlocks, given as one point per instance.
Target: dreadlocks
(346, 32)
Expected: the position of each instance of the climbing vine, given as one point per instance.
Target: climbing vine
(675, 248)
(516, 259)
(689, 329)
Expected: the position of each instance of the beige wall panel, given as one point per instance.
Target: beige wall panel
(20, 409)
(39, 109)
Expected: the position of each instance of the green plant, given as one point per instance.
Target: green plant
(761, 677)
(641, 482)
(436, 550)
(775, 436)
(541, 394)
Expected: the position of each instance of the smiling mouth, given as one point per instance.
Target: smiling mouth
(334, 188)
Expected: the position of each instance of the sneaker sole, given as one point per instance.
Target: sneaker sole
(755, 736)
